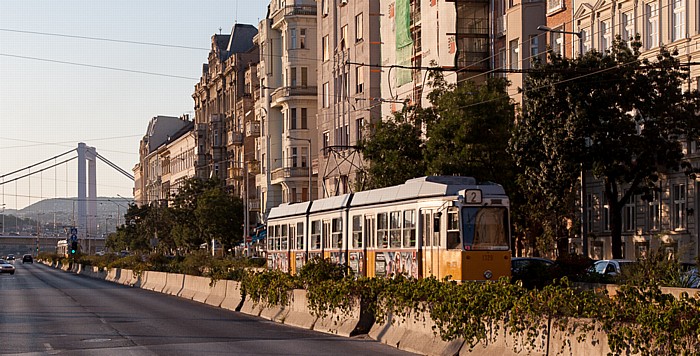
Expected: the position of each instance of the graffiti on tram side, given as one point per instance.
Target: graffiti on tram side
(299, 260)
(338, 258)
(357, 264)
(278, 261)
(387, 264)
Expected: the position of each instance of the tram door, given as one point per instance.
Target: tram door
(430, 243)
(326, 239)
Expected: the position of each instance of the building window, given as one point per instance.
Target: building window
(606, 214)
(359, 128)
(293, 76)
(605, 35)
(553, 5)
(655, 212)
(652, 22)
(586, 40)
(304, 156)
(302, 38)
(304, 76)
(678, 206)
(293, 38)
(590, 212)
(325, 48)
(343, 38)
(678, 20)
(358, 27)
(534, 46)
(513, 49)
(294, 157)
(557, 41)
(293, 118)
(359, 80)
(326, 95)
(627, 24)
(628, 215)
(326, 142)
(304, 119)
(324, 7)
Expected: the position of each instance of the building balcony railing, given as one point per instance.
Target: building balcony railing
(235, 173)
(473, 60)
(253, 204)
(235, 138)
(289, 172)
(298, 10)
(283, 92)
(252, 129)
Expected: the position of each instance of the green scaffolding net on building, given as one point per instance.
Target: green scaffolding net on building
(404, 42)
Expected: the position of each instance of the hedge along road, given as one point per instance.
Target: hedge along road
(49, 311)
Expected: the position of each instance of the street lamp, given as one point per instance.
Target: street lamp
(308, 162)
(577, 34)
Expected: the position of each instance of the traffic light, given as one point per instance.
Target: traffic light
(73, 247)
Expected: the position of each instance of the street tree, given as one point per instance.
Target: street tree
(614, 113)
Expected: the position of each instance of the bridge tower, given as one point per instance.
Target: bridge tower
(87, 192)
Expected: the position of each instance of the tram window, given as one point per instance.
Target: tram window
(382, 230)
(485, 228)
(395, 229)
(357, 231)
(337, 233)
(271, 238)
(300, 236)
(369, 231)
(327, 234)
(284, 238)
(316, 235)
(409, 228)
(453, 239)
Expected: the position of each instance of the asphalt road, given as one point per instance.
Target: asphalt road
(44, 311)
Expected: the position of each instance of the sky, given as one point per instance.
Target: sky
(96, 71)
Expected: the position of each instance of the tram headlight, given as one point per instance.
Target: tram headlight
(488, 274)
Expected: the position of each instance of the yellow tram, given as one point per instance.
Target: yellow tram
(430, 226)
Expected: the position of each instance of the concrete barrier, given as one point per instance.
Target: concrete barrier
(339, 323)
(173, 283)
(195, 287)
(217, 293)
(128, 277)
(298, 313)
(251, 308)
(276, 313)
(234, 298)
(113, 275)
(413, 333)
(154, 281)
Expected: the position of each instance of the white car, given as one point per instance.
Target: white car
(6, 267)
(612, 267)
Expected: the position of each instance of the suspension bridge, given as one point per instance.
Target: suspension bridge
(85, 205)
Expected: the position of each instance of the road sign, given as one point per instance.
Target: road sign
(73, 238)
(74, 231)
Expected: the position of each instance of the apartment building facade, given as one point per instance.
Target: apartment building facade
(286, 104)
(166, 158)
(350, 96)
(225, 123)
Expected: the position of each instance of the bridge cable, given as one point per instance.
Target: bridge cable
(36, 164)
(117, 168)
(39, 171)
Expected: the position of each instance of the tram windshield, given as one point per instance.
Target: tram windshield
(485, 228)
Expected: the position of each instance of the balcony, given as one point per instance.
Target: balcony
(217, 118)
(501, 26)
(285, 92)
(235, 138)
(252, 129)
(472, 60)
(290, 172)
(292, 10)
(253, 204)
(235, 173)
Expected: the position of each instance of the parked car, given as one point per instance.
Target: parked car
(6, 267)
(521, 264)
(27, 259)
(612, 268)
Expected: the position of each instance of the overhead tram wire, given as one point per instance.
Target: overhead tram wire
(98, 66)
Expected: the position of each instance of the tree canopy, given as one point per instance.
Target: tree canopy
(614, 113)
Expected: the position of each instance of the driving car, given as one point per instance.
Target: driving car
(6, 267)
(10, 258)
(27, 259)
(612, 267)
